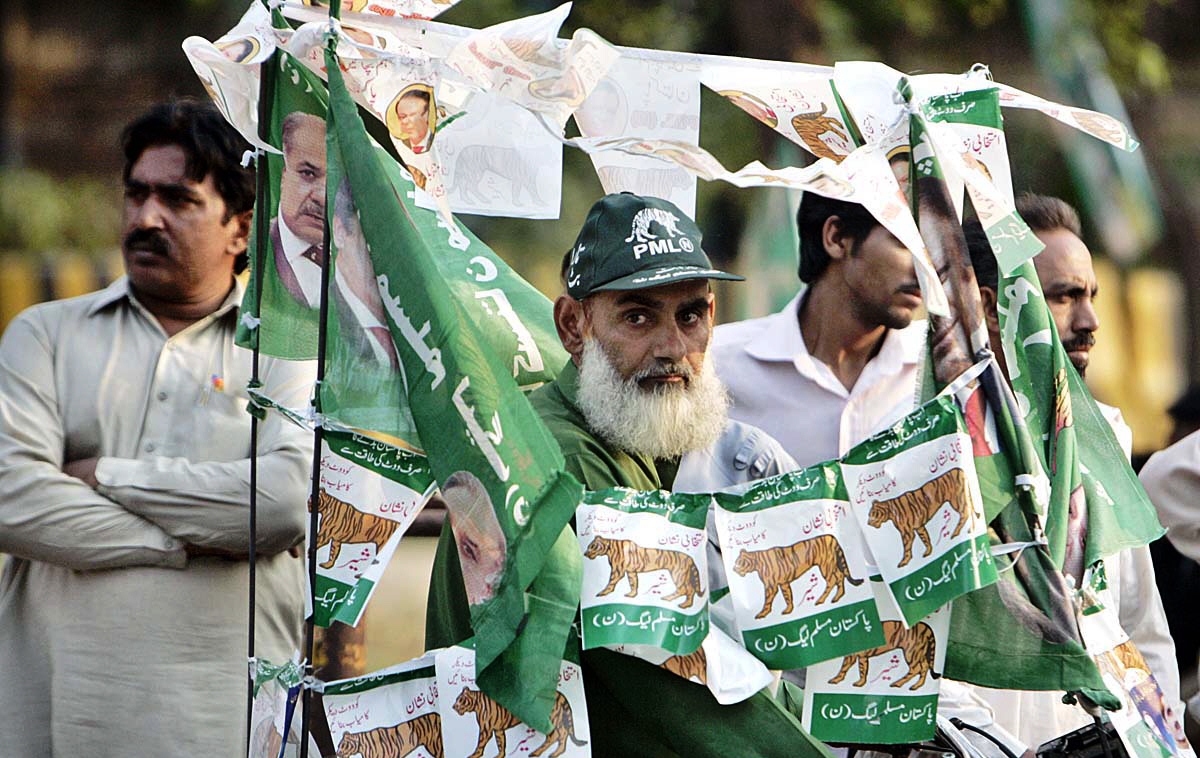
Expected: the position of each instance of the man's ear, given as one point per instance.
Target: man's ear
(837, 244)
(241, 232)
(988, 297)
(569, 321)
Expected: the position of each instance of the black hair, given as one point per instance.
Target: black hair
(1041, 212)
(1187, 407)
(210, 146)
(987, 273)
(417, 92)
(1045, 214)
(855, 221)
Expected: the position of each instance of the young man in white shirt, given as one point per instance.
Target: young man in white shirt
(841, 360)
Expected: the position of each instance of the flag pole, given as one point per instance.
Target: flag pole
(318, 441)
(266, 94)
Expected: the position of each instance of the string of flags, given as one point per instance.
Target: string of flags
(871, 572)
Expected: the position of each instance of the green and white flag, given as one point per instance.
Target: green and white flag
(500, 471)
(1147, 725)
(651, 546)
(364, 385)
(388, 712)
(797, 569)
(1054, 490)
(370, 493)
(279, 310)
(883, 695)
(273, 714)
(914, 492)
(475, 724)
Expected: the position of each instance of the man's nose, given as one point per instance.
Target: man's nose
(670, 344)
(149, 214)
(1085, 318)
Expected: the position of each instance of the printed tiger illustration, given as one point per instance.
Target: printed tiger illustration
(692, 666)
(917, 643)
(342, 523)
(395, 741)
(810, 127)
(564, 728)
(911, 511)
(627, 559)
(778, 567)
(494, 719)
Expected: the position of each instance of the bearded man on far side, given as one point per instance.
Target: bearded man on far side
(638, 394)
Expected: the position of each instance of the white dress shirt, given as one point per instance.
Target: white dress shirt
(113, 642)
(307, 271)
(779, 387)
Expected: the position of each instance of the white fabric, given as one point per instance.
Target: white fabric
(308, 273)
(741, 454)
(1172, 479)
(112, 642)
(779, 387)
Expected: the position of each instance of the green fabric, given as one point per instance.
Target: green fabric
(634, 708)
(288, 327)
(476, 426)
(1031, 608)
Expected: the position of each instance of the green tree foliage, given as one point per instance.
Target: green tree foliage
(39, 213)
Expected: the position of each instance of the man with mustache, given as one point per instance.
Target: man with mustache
(298, 232)
(1068, 283)
(840, 361)
(637, 397)
(124, 463)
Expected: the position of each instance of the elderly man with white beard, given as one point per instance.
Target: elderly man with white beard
(639, 396)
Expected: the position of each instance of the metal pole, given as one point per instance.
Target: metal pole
(266, 93)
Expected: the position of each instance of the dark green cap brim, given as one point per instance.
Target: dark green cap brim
(658, 277)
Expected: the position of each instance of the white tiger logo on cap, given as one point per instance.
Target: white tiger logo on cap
(647, 241)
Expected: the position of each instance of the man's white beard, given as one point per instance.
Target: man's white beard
(665, 422)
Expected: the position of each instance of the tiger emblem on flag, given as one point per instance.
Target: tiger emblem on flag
(342, 523)
(910, 512)
(691, 666)
(778, 567)
(810, 127)
(627, 559)
(395, 741)
(918, 644)
(494, 719)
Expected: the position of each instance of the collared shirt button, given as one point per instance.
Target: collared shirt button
(162, 396)
(149, 448)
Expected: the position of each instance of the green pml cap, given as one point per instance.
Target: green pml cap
(630, 242)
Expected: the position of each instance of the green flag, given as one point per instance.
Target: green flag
(500, 471)
(1029, 608)
(279, 310)
(1034, 444)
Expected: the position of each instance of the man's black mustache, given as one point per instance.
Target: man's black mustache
(151, 240)
(1086, 339)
